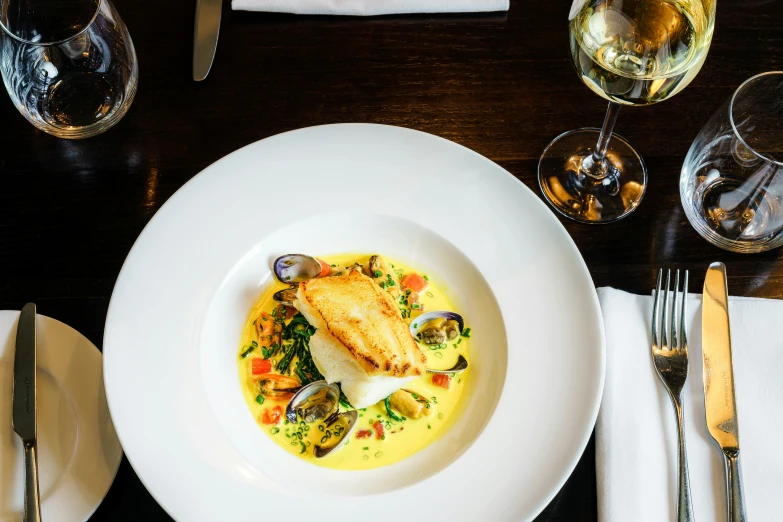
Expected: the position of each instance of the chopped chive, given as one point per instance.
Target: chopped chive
(247, 352)
(254, 344)
(274, 431)
(260, 399)
(426, 278)
(377, 273)
(415, 306)
(466, 333)
(428, 294)
(366, 448)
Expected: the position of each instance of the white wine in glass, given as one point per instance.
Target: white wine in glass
(631, 52)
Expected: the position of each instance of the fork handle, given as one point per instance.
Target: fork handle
(736, 498)
(684, 505)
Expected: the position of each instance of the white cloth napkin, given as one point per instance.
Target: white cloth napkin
(369, 7)
(636, 438)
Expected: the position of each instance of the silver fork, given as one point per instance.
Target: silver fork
(671, 365)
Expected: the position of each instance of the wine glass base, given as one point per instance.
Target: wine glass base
(585, 198)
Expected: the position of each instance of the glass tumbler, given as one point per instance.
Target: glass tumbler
(731, 183)
(69, 65)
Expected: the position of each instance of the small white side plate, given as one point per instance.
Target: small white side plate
(78, 450)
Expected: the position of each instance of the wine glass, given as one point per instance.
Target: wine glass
(731, 183)
(631, 52)
(68, 65)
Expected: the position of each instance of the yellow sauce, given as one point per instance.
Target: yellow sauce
(401, 439)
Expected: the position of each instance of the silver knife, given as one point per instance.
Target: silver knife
(719, 384)
(24, 412)
(205, 36)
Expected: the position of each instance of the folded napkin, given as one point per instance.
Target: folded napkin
(369, 7)
(636, 437)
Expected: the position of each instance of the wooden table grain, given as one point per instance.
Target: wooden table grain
(502, 85)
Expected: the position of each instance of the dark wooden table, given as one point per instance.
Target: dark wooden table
(501, 85)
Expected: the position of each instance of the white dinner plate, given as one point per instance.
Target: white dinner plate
(172, 332)
(78, 450)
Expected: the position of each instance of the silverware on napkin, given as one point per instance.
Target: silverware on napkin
(205, 36)
(721, 410)
(24, 408)
(670, 358)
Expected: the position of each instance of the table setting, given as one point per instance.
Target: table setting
(368, 256)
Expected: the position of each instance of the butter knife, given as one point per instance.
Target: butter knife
(24, 408)
(721, 409)
(205, 36)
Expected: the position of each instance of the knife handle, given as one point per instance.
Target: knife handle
(736, 499)
(32, 506)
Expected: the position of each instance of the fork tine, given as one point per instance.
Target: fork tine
(665, 313)
(683, 328)
(675, 345)
(656, 295)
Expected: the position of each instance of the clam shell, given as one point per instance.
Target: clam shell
(295, 268)
(420, 321)
(299, 406)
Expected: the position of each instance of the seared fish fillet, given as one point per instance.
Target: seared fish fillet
(361, 341)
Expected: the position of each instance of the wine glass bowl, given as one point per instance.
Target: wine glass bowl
(630, 52)
(69, 65)
(731, 183)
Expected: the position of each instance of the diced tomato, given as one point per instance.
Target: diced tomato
(414, 282)
(260, 366)
(378, 427)
(272, 416)
(325, 268)
(364, 434)
(442, 380)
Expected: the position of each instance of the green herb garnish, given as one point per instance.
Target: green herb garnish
(248, 351)
(377, 274)
(260, 399)
(466, 333)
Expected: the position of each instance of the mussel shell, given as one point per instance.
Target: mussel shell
(300, 399)
(420, 321)
(352, 416)
(295, 268)
(286, 297)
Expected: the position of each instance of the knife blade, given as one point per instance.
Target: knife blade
(718, 374)
(205, 36)
(24, 407)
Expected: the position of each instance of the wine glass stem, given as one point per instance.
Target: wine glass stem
(594, 165)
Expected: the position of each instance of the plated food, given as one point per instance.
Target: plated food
(356, 353)
(179, 324)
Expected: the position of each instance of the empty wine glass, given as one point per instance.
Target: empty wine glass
(69, 65)
(731, 184)
(630, 52)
